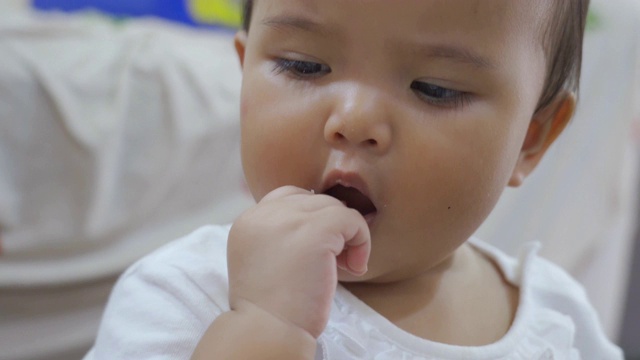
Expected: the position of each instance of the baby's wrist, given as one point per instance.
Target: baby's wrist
(249, 332)
(277, 329)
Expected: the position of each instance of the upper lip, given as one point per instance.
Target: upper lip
(346, 179)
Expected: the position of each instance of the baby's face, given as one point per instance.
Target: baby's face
(421, 104)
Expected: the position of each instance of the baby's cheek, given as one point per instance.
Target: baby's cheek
(267, 166)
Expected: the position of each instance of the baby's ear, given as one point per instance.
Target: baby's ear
(240, 42)
(545, 127)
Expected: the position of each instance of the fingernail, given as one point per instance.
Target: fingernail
(359, 272)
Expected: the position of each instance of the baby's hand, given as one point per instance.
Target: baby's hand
(284, 253)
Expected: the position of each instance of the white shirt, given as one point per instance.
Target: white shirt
(162, 305)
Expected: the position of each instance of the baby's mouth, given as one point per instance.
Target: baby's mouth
(354, 199)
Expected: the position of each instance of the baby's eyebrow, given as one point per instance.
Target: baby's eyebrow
(457, 54)
(288, 22)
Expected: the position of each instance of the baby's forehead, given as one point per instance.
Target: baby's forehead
(523, 12)
(410, 21)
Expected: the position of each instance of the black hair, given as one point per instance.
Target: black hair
(562, 42)
(246, 14)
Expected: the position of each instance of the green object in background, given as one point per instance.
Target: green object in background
(224, 12)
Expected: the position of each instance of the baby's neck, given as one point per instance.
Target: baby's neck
(469, 303)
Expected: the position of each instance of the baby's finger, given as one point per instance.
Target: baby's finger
(354, 259)
(357, 248)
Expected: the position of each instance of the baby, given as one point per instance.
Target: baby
(377, 136)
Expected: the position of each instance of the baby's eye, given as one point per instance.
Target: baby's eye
(302, 69)
(438, 95)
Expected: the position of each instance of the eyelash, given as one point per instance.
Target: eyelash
(301, 69)
(430, 93)
(440, 96)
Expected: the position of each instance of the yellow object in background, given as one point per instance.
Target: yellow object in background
(216, 12)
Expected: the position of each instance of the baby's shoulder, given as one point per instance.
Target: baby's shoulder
(166, 297)
(534, 275)
(194, 263)
(551, 284)
(206, 245)
(553, 306)
(551, 293)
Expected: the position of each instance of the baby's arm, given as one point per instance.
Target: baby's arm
(283, 256)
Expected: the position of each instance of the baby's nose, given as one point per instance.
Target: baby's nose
(360, 117)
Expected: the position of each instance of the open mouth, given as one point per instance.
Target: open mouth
(353, 198)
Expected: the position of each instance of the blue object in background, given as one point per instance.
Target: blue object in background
(175, 10)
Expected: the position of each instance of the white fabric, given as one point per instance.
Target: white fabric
(128, 132)
(115, 138)
(162, 305)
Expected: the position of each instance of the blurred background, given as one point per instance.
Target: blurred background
(119, 133)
